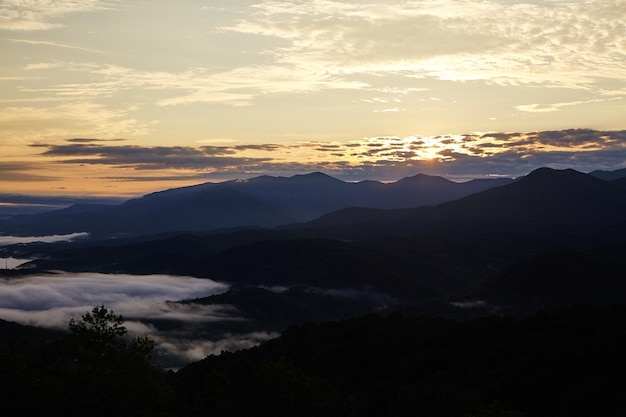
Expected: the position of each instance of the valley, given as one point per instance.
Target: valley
(543, 241)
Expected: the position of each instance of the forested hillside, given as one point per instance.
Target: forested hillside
(567, 362)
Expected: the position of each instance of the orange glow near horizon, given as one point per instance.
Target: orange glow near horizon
(104, 168)
(102, 97)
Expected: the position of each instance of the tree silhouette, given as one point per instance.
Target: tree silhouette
(106, 371)
(100, 336)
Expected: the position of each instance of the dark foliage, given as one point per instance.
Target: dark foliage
(567, 362)
(93, 369)
(563, 363)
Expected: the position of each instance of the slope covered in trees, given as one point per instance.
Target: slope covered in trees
(567, 362)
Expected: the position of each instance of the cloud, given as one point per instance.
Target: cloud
(204, 158)
(19, 171)
(33, 15)
(495, 41)
(543, 108)
(92, 140)
(237, 86)
(389, 51)
(29, 299)
(189, 350)
(384, 158)
(51, 300)
(49, 43)
(66, 119)
(12, 240)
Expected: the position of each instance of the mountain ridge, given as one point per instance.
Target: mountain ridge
(545, 202)
(263, 201)
(551, 238)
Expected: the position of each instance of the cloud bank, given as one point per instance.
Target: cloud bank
(359, 58)
(39, 15)
(146, 302)
(376, 158)
(13, 240)
(303, 81)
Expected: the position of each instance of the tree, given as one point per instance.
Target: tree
(100, 336)
(102, 371)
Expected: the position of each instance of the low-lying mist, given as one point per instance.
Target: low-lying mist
(147, 302)
(6, 240)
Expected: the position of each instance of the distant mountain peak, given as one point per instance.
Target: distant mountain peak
(609, 175)
(546, 170)
(547, 173)
(315, 176)
(424, 178)
(308, 178)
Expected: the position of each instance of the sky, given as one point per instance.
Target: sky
(122, 98)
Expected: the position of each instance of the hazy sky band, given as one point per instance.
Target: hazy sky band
(181, 81)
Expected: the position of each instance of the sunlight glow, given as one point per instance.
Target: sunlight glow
(286, 87)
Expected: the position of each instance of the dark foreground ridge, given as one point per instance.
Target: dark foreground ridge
(567, 362)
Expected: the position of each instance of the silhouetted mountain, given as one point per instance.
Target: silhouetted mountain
(278, 308)
(263, 202)
(554, 279)
(26, 335)
(563, 363)
(561, 204)
(538, 242)
(609, 175)
(12, 205)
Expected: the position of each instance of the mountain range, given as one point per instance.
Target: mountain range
(549, 203)
(467, 306)
(548, 239)
(262, 202)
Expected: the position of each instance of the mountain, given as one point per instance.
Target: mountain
(549, 239)
(563, 204)
(609, 175)
(21, 204)
(563, 363)
(558, 278)
(262, 202)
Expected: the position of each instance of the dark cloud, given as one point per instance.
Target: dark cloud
(160, 178)
(575, 137)
(217, 150)
(262, 147)
(22, 172)
(89, 140)
(562, 138)
(151, 158)
(328, 148)
(383, 158)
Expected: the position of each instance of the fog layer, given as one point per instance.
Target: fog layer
(51, 300)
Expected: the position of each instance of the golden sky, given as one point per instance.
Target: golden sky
(106, 97)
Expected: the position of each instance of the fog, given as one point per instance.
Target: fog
(12, 263)
(13, 240)
(146, 302)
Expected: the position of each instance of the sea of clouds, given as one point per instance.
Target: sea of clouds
(52, 300)
(14, 240)
(148, 303)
